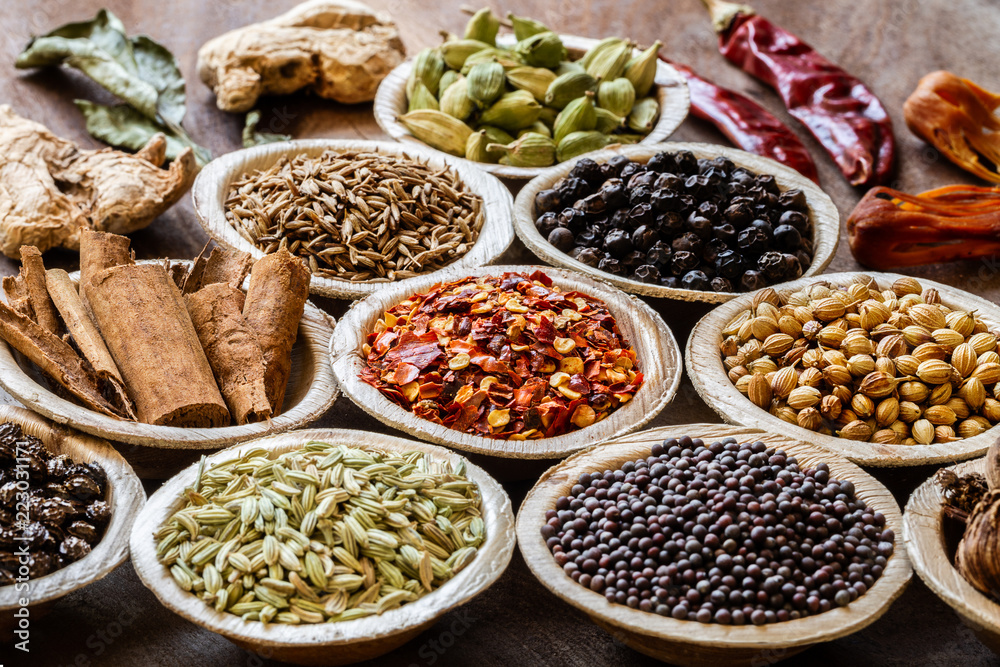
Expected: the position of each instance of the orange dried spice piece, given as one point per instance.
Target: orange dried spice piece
(506, 357)
(956, 117)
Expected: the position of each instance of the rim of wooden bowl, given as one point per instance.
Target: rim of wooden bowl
(656, 349)
(704, 366)
(491, 561)
(315, 330)
(125, 495)
(211, 188)
(692, 636)
(390, 101)
(922, 523)
(823, 212)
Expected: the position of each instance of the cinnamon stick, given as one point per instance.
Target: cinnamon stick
(220, 266)
(85, 335)
(231, 348)
(33, 275)
(55, 358)
(144, 321)
(100, 251)
(276, 298)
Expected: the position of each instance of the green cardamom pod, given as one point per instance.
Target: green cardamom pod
(548, 116)
(507, 59)
(422, 98)
(512, 111)
(438, 130)
(535, 80)
(455, 100)
(496, 135)
(568, 67)
(525, 27)
(538, 127)
(607, 122)
(485, 83)
(531, 150)
(449, 77)
(567, 87)
(627, 138)
(476, 148)
(641, 70)
(597, 49)
(483, 26)
(578, 116)
(579, 143)
(616, 95)
(644, 115)
(610, 62)
(456, 52)
(428, 67)
(542, 50)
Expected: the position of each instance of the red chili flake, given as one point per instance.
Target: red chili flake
(506, 356)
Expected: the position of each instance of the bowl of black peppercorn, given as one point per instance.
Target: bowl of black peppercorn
(694, 222)
(709, 544)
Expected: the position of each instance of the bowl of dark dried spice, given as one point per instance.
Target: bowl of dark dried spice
(362, 214)
(935, 521)
(519, 362)
(67, 503)
(705, 544)
(693, 222)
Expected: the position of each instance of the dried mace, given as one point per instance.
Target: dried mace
(889, 228)
(956, 117)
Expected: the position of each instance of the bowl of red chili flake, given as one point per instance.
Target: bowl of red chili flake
(508, 355)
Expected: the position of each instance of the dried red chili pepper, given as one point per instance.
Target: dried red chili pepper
(503, 357)
(889, 228)
(745, 123)
(837, 108)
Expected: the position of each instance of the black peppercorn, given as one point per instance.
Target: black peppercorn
(589, 238)
(794, 199)
(752, 280)
(772, 265)
(618, 243)
(765, 227)
(561, 238)
(662, 162)
(683, 261)
(547, 200)
(752, 241)
(730, 264)
(804, 259)
(639, 195)
(641, 214)
(670, 282)
(739, 215)
(725, 233)
(587, 170)
(590, 257)
(688, 241)
(787, 238)
(796, 219)
(546, 223)
(593, 205)
(647, 274)
(793, 269)
(699, 225)
(633, 260)
(570, 189)
(631, 169)
(686, 162)
(659, 254)
(720, 284)
(614, 194)
(611, 265)
(711, 251)
(613, 167)
(644, 237)
(695, 280)
(646, 178)
(669, 224)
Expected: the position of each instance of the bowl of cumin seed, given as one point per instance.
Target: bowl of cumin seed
(363, 214)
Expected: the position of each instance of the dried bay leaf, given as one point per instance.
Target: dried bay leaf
(138, 70)
(251, 137)
(123, 126)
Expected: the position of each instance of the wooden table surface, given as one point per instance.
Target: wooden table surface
(888, 43)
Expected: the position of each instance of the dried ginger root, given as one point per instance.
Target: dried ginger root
(50, 188)
(339, 49)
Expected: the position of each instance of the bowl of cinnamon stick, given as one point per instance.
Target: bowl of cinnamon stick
(173, 358)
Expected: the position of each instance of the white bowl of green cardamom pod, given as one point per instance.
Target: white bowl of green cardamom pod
(324, 546)
(517, 103)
